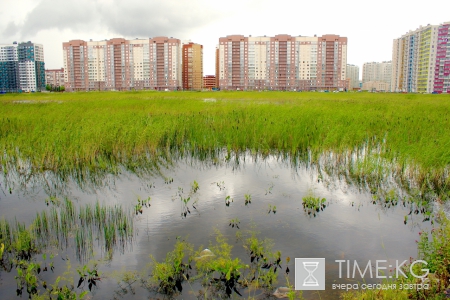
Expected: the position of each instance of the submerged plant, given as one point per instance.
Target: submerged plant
(194, 187)
(228, 200)
(234, 222)
(272, 208)
(313, 205)
(167, 276)
(221, 273)
(248, 199)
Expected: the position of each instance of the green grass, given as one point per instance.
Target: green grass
(82, 133)
(84, 127)
(68, 226)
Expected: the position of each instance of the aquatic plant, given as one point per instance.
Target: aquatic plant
(234, 223)
(88, 275)
(68, 226)
(228, 200)
(194, 187)
(248, 199)
(167, 276)
(221, 273)
(313, 205)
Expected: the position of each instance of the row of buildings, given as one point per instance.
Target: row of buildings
(22, 67)
(420, 63)
(282, 62)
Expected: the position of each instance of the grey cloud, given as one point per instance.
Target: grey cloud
(50, 14)
(11, 30)
(132, 18)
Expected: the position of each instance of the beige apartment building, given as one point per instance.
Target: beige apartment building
(282, 62)
(54, 77)
(353, 76)
(120, 64)
(376, 86)
(377, 72)
(192, 62)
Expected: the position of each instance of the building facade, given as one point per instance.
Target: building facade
(375, 86)
(54, 77)
(209, 82)
(192, 63)
(353, 76)
(282, 62)
(442, 64)
(120, 64)
(22, 67)
(377, 72)
(421, 60)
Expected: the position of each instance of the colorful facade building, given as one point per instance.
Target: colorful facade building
(282, 62)
(22, 67)
(120, 64)
(442, 65)
(421, 60)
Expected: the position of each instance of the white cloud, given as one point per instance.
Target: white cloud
(370, 28)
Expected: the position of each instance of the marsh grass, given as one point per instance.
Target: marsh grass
(79, 134)
(66, 226)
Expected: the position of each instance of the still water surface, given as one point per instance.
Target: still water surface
(350, 227)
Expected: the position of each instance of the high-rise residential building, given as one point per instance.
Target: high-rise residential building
(217, 66)
(353, 76)
(282, 62)
(22, 67)
(421, 60)
(192, 62)
(120, 64)
(442, 65)
(377, 72)
(54, 77)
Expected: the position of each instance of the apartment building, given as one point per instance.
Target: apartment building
(282, 62)
(54, 77)
(353, 76)
(120, 64)
(209, 82)
(421, 60)
(22, 67)
(377, 72)
(442, 64)
(192, 63)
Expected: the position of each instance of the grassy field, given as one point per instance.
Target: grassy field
(98, 132)
(101, 130)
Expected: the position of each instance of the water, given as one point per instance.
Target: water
(349, 228)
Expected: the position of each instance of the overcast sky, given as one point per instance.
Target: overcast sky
(369, 26)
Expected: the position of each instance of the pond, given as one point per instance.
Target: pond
(192, 200)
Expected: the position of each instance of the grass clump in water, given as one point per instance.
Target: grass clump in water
(313, 205)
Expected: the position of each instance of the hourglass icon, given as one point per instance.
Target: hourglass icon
(310, 267)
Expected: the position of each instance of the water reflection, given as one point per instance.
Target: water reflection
(354, 225)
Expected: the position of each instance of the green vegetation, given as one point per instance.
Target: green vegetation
(78, 133)
(313, 205)
(365, 138)
(221, 275)
(67, 226)
(434, 248)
